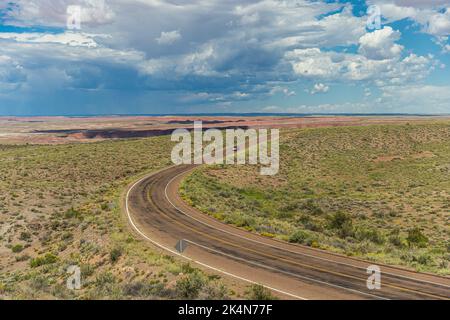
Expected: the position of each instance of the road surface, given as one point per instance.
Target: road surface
(158, 214)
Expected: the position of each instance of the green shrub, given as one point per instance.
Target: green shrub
(25, 236)
(302, 237)
(72, 213)
(312, 207)
(115, 254)
(144, 289)
(23, 257)
(17, 248)
(416, 237)
(43, 260)
(67, 236)
(134, 289)
(395, 238)
(369, 234)
(259, 292)
(424, 259)
(190, 286)
(105, 279)
(87, 270)
(216, 291)
(106, 285)
(342, 223)
(39, 283)
(187, 268)
(339, 219)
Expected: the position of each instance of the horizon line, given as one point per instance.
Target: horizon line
(222, 114)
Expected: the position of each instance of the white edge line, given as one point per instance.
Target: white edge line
(286, 272)
(295, 252)
(190, 259)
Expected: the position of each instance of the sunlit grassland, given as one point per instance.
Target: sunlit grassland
(60, 206)
(377, 192)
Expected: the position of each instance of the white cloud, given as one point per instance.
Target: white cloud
(433, 16)
(320, 88)
(215, 41)
(41, 50)
(329, 108)
(12, 74)
(271, 109)
(393, 12)
(67, 38)
(422, 3)
(299, 30)
(439, 23)
(200, 63)
(312, 62)
(170, 37)
(283, 90)
(380, 44)
(54, 13)
(418, 98)
(231, 50)
(317, 64)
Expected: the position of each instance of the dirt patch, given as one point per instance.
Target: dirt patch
(424, 154)
(387, 159)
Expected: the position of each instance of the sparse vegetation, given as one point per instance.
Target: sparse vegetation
(48, 258)
(259, 292)
(416, 237)
(189, 286)
(115, 254)
(17, 248)
(60, 206)
(380, 192)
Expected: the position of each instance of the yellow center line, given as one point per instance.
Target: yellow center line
(288, 260)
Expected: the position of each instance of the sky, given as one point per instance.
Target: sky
(89, 57)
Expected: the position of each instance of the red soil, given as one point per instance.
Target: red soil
(57, 130)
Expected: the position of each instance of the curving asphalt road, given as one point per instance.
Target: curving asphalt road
(158, 214)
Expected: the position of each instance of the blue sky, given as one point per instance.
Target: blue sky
(154, 56)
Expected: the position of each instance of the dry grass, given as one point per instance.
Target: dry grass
(360, 191)
(60, 206)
